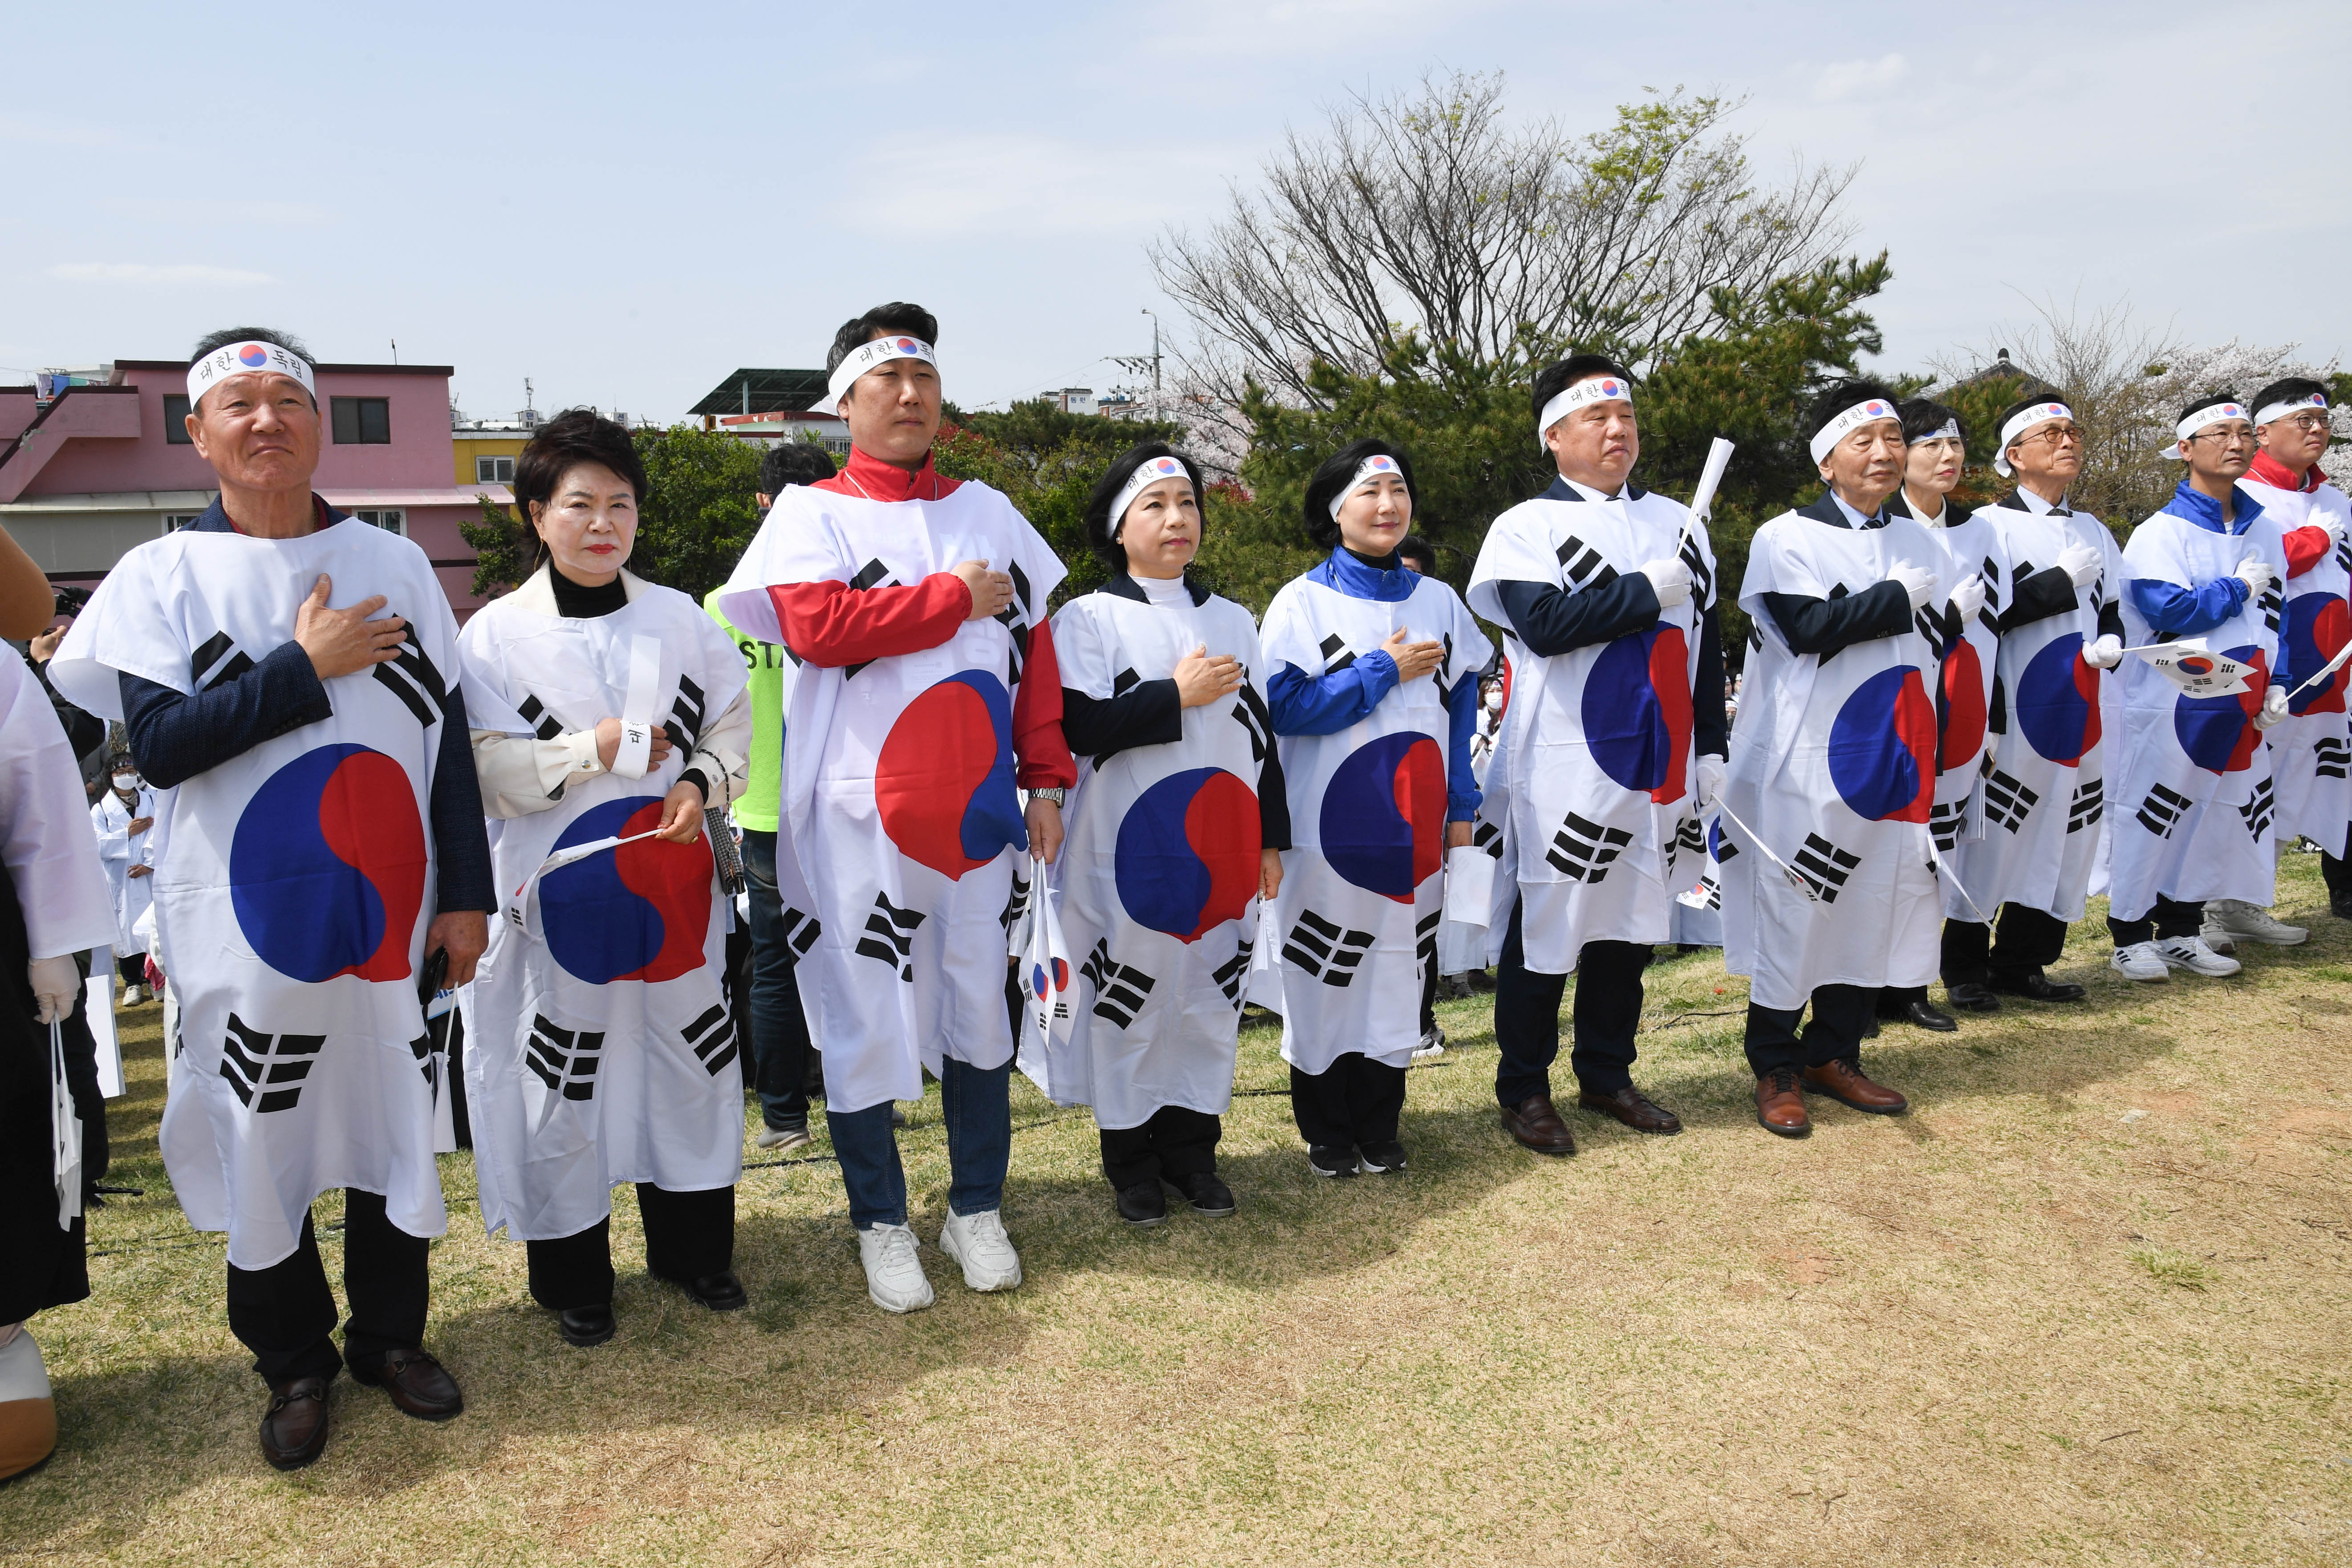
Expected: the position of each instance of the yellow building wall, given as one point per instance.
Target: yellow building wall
(472, 447)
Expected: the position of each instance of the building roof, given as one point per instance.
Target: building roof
(769, 391)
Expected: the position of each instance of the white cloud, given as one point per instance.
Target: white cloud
(1847, 78)
(149, 275)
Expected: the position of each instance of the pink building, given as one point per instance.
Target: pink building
(101, 468)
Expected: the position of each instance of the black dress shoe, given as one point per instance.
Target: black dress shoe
(1209, 1196)
(721, 1292)
(586, 1326)
(1927, 1017)
(294, 1430)
(417, 1384)
(1143, 1204)
(2036, 987)
(1969, 996)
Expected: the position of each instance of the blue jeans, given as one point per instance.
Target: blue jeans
(979, 1113)
(780, 1039)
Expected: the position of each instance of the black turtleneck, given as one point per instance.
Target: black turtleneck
(575, 602)
(1392, 562)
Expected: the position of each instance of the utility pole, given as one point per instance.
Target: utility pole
(1134, 364)
(395, 350)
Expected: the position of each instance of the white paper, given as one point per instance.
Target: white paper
(64, 1135)
(635, 754)
(1718, 457)
(97, 1005)
(1469, 884)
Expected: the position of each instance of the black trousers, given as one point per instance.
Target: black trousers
(1840, 1012)
(2335, 870)
(2170, 918)
(2024, 943)
(1175, 1143)
(687, 1236)
(132, 970)
(286, 1315)
(1608, 1011)
(1355, 1100)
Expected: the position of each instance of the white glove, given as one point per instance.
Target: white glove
(2105, 654)
(2255, 574)
(2081, 563)
(1969, 596)
(1917, 581)
(1707, 774)
(55, 980)
(1670, 579)
(2273, 708)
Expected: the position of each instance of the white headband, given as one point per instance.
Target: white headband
(1146, 474)
(2211, 414)
(245, 359)
(1847, 423)
(2271, 411)
(1949, 431)
(865, 356)
(2018, 424)
(1370, 469)
(1591, 389)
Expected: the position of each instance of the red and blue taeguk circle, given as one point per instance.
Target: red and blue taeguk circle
(253, 356)
(1383, 822)
(327, 867)
(1637, 712)
(2218, 732)
(1187, 855)
(2317, 626)
(1962, 724)
(943, 783)
(640, 912)
(1881, 752)
(2057, 701)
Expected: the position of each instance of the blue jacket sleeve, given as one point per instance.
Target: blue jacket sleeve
(2173, 611)
(175, 736)
(1302, 704)
(1461, 722)
(1552, 621)
(461, 843)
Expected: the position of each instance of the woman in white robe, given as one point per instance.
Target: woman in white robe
(599, 1048)
(124, 820)
(1176, 828)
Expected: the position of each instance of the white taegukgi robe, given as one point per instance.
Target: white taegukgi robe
(120, 849)
(2311, 750)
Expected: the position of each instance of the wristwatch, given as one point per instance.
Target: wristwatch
(1056, 795)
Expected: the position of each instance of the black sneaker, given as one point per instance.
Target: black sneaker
(1331, 1160)
(1143, 1204)
(1383, 1159)
(1207, 1194)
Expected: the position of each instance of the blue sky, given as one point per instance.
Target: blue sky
(625, 202)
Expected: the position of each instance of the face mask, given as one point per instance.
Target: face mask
(126, 783)
(1494, 702)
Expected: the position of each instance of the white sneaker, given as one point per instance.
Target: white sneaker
(2140, 962)
(785, 1138)
(895, 1280)
(1433, 1044)
(2190, 953)
(2230, 919)
(978, 1242)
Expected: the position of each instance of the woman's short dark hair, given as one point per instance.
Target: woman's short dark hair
(1109, 551)
(882, 320)
(1332, 478)
(1838, 396)
(1923, 417)
(574, 437)
(794, 463)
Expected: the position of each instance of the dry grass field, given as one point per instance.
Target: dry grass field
(2087, 1304)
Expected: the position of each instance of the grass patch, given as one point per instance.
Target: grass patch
(2169, 1267)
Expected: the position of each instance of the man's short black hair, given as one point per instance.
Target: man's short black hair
(1838, 396)
(1923, 417)
(794, 463)
(1109, 551)
(1329, 481)
(882, 320)
(1560, 374)
(574, 437)
(1413, 547)
(2287, 389)
(212, 343)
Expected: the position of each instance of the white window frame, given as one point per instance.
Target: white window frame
(392, 520)
(175, 521)
(493, 477)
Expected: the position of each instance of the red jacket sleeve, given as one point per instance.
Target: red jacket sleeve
(2305, 549)
(832, 624)
(1038, 745)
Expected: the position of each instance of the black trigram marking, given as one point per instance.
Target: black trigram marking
(1016, 901)
(2161, 812)
(2260, 810)
(801, 932)
(872, 575)
(711, 1039)
(1825, 866)
(1119, 988)
(1249, 711)
(2088, 805)
(1487, 836)
(1930, 628)
(1582, 851)
(251, 1059)
(1702, 580)
(412, 678)
(1424, 938)
(2008, 802)
(1321, 947)
(565, 1060)
(1335, 657)
(542, 723)
(1014, 620)
(1583, 566)
(2272, 601)
(1125, 681)
(421, 1048)
(686, 715)
(207, 657)
(1233, 974)
(1945, 821)
(890, 936)
(2330, 758)
(1713, 889)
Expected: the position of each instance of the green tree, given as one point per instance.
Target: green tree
(502, 549)
(699, 511)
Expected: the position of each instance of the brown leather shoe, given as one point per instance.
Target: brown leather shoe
(1634, 1108)
(294, 1430)
(1843, 1082)
(1780, 1106)
(1537, 1125)
(417, 1384)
